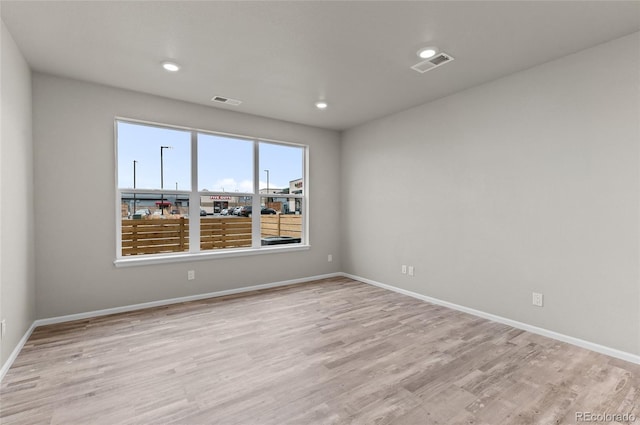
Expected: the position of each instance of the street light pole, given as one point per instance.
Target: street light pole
(162, 177)
(134, 186)
(267, 171)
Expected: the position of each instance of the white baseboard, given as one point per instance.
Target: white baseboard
(86, 315)
(16, 351)
(133, 307)
(623, 355)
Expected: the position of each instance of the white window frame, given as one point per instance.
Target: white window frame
(194, 253)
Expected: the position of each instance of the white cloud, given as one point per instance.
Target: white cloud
(272, 185)
(231, 185)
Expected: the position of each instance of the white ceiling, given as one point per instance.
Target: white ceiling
(280, 57)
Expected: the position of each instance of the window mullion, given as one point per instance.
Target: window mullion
(255, 201)
(194, 198)
(119, 223)
(305, 196)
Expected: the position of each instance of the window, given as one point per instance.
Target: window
(282, 214)
(184, 193)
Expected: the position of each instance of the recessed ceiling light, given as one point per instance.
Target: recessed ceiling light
(427, 52)
(322, 104)
(171, 66)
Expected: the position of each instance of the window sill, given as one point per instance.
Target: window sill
(202, 256)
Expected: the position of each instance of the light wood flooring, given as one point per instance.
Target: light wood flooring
(334, 351)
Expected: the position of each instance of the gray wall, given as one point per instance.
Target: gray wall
(528, 183)
(17, 275)
(74, 173)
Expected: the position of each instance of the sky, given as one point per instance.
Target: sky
(224, 163)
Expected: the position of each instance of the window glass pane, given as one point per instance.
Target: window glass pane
(281, 170)
(278, 228)
(224, 164)
(153, 157)
(228, 230)
(152, 226)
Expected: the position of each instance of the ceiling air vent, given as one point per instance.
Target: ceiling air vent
(431, 63)
(226, 100)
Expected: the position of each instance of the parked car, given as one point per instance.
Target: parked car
(203, 213)
(245, 211)
(225, 211)
(236, 211)
(143, 213)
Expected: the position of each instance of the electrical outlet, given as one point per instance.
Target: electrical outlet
(3, 328)
(537, 299)
(329, 258)
(191, 275)
(404, 269)
(412, 271)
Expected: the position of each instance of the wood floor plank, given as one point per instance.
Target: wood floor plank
(334, 351)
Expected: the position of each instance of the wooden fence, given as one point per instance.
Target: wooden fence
(281, 225)
(225, 232)
(152, 236)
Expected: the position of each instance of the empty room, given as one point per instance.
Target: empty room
(320, 212)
